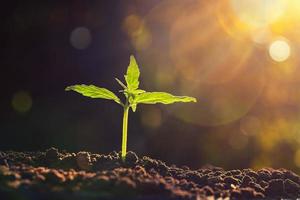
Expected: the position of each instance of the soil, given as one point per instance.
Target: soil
(60, 175)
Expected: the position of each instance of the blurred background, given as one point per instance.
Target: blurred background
(238, 57)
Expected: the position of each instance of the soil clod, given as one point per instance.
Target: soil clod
(55, 174)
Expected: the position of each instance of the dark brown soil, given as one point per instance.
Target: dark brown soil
(83, 175)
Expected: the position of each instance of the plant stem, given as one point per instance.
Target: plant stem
(124, 134)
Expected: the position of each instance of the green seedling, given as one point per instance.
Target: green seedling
(133, 96)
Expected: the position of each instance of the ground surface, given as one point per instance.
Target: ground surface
(61, 175)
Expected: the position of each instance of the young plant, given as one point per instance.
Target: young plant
(133, 96)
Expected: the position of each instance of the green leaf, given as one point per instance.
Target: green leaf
(162, 97)
(121, 83)
(133, 107)
(132, 75)
(131, 97)
(94, 92)
(138, 91)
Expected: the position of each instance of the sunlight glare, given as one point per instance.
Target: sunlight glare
(279, 50)
(258, 13)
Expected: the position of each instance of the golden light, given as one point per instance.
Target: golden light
(230, 55)
(217, 54)
(297, 158)
(250, 125)
(289, 22)
(279, 50)
(133, 25)
(258, 13)
(192, 53)
(261, 35)
(137, 31)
